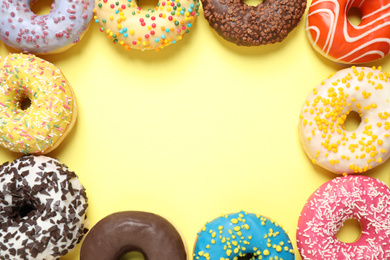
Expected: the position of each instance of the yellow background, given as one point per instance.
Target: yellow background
(201, 128)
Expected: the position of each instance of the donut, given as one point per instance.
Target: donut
(134, 28)
(346, 197)
(336, 38)
(42, 209)
(127, 231)
(243, 234)
(323, 135)
(55, 32)
(267, 23)
(37, 105)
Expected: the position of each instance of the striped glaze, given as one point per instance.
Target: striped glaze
(333, 36)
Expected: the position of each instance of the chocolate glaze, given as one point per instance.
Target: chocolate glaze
(128, 231)
(268, 22)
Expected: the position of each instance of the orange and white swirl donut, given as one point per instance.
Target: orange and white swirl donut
(339, 40)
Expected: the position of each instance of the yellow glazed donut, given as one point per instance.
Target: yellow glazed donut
(133, 28)
(321, 125)
(37, 105)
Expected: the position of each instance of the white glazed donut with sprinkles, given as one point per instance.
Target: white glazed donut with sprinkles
(348, 197)
(55, 32)
(134, 28)
(42, 209)
(321, 126)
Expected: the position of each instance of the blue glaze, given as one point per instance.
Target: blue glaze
(231, 236)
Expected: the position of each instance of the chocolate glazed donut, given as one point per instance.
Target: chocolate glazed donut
(268, 22)
(128, 231)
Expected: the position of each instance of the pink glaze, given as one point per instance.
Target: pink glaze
(349, 197)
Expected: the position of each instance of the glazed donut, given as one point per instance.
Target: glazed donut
(57, 31)
(42, 209)
(40, 127)
(348, 197)
(321, 125)
(133, 28)
(332, 35)
(242, 234)
(268, 22)
(127, 231)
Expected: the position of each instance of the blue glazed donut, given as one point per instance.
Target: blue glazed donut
(242, 234)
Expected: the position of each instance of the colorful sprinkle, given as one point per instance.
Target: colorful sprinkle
(33, 129)
(141, 22)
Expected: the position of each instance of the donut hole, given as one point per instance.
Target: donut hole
(23, 209)
(252, 2)
(350, 231)
(352, 121)
(147, 4)
(246, 257)
(25, 103)
(133, 255)
(354, 16)
(41, 7)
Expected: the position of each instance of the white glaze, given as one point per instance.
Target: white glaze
(321, 125)
(21, 29)
(59, 213)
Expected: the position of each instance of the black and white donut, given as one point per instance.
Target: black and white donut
(42, 209)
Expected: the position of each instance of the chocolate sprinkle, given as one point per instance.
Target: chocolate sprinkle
(42, 209)
(268, 22)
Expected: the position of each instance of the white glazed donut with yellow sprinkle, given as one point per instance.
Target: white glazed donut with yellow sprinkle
(133, 28)
(321, 126)
(37, 105)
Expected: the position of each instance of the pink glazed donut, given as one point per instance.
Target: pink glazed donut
(349, 197)
(64, 26)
